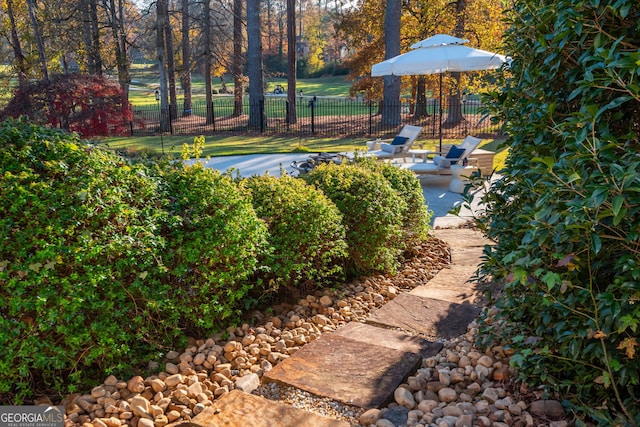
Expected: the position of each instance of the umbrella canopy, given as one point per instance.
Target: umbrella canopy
(438, 59)
(437, 55)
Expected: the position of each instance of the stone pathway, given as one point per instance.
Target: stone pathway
(362, 364)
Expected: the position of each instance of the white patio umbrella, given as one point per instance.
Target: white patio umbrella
(438, 55)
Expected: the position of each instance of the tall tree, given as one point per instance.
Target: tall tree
(185, 74)
(21, 66)
(206, 22)
(171, 63)
(391, 94)
(255, 67)
(162, 66)
(91, 30)
(236, 67)
(120, 43)
(44, 69)
(291, 59)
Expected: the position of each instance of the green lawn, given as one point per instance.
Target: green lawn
(144, 82)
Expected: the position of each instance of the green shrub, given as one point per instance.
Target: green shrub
(372, 212)
(79, 263)
(566, 214)
(416, 217)
(213, 240)
(305, 233)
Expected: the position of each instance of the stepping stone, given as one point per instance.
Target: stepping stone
(354, 368)
(428, 316)
(453, 285)
(466, 245)
(462, 237)
(239, 409)
(387, 338)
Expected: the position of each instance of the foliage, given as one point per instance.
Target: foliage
(372, 214)
(566, 213)
(213, 240)
(363, 31)
(305, 233)
(416, 217)
(88, 105)
(79, 263)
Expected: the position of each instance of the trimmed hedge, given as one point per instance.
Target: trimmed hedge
(306, 234)
(372, 212)
(79, 262)
(416, 217)
(214, 239)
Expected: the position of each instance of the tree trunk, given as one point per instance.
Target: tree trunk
(36, 31)
(254, 64)
(291, 59)
(119, 38)
(171, 63)
(238, 89)
(391, 94)
(421, 99)
(454, 110)
(95, 37)
(206, 10)
(185, 75)
(164, 117)
(17, 49)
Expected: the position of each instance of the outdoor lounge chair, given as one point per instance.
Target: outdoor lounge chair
(441, 164)
(396, 147)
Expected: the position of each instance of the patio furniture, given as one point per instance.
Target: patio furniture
(304, 166)
(440, 164)
(460, 175)
(396, 147)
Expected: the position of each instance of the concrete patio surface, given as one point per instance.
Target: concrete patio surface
(434, 187)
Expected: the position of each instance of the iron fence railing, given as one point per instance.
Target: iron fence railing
(321, 116)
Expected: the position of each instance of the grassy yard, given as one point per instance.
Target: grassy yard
(145, 82)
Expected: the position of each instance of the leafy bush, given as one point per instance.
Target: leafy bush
(372, 215)
(87, 104)
(213, 240)
(566, 213)
(416, 217)
(305, 233)
(79, 263)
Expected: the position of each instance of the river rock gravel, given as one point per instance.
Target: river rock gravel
(461, 386)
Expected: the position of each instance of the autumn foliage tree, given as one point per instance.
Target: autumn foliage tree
(87, 104)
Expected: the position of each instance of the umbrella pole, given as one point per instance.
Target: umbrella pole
(440, 114)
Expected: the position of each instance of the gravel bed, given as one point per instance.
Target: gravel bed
(459, 387)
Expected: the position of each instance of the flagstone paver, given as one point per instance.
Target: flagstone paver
(388, 338)
(428, 316)
(353, 371)
(240, 409)
(453, 285)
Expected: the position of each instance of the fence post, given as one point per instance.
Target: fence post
(261, 104)
(287, 114)
(170, 114)
(313, 116)
(370, 118)
(213, 116)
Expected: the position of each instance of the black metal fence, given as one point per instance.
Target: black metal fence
(319, 116)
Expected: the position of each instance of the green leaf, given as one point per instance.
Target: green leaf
(596, 243)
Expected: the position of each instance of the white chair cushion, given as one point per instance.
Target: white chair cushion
(393, 149)
(441, 161)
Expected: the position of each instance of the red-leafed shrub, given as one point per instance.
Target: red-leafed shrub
(87, 104)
